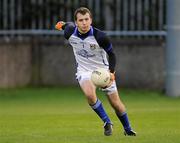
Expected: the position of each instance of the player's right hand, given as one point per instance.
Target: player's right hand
(112, 78)
(59, 25)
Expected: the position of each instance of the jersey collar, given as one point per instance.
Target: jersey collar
(83, 36)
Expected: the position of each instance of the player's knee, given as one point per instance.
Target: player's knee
(91, 98)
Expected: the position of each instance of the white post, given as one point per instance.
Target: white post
(173, 48)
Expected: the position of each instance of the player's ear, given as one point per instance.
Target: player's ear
(90, 20)
(75, 23)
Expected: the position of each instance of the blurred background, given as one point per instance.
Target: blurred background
(145, 37)
(33, 53)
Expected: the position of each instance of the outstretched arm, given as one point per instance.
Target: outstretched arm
(68, 28)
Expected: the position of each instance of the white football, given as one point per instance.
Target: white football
(100, 77)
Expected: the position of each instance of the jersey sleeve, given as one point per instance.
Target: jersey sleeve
(112, 61)
(68, 29)
(104, 42)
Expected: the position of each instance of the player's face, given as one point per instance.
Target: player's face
(83, 22)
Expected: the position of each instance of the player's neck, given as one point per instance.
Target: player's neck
(83, 35)
(83, 32)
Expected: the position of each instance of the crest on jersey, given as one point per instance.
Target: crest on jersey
(92, 46)
(85, 54)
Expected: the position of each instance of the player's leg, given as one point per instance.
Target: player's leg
(90, 92)
(120, 110)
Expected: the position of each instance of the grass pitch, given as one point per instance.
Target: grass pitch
(61, 115)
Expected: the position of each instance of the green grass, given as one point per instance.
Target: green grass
(61, 115)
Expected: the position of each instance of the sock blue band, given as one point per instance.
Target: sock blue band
(124, 120)
(97, 104)
(98, 108)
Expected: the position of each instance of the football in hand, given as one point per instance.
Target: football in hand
(101, 77)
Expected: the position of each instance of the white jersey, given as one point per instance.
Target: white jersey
(88, 54)
(90, 49)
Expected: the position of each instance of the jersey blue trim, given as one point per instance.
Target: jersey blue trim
(75, 32)
(91, 33)
(83, 36)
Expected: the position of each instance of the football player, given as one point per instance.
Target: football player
(91, 47)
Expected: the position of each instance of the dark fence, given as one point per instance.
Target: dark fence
(118, 17)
